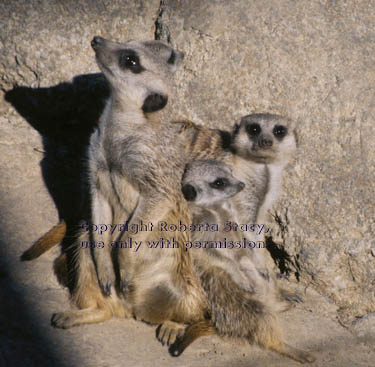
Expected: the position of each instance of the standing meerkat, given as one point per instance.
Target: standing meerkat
(235, 308)
(267, 141)
(136, 165)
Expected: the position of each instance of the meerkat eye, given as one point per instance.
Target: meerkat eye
(280, 131)
(128, 59)
(253, 129)
(219, 183)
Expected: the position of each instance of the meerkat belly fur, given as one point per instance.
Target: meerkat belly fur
(235, 309)
(135, 167)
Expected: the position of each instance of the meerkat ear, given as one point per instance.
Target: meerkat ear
(236, 129)
(189, 192)
(175, 59)
(154, 102)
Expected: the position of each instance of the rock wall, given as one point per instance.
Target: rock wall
(311, 60)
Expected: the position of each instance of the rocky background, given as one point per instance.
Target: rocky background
(312, 60)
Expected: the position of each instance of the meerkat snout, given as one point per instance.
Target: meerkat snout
(154, 102)
(96, 41)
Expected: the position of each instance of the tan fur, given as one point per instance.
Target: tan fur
(53, 237)
(256, 167)
(236, 314)
(175, 293)
(154, 285)
(238, 308)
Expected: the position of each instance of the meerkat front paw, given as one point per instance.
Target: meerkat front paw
(106, 279)
(124, 282)
(63, 320)
(169, 331)
(264, 273)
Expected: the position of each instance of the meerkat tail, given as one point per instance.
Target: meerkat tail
(293, 353)
(192, 332)
(46, 242)
(235, 313)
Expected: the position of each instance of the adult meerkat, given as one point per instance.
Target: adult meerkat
(136, 165)
(235, 307)
(267, 141)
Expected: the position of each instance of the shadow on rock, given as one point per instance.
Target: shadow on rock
(65, 115)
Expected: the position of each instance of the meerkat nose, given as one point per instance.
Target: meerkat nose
(241, 185)
(266, 142)
(96, 41)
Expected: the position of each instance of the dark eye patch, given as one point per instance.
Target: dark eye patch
(280, 131)
(253, 129)
(220, 183)
(129, 59)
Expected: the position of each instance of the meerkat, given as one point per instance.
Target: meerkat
(267, 141)
(135, 166)
(257, 149)
(235, 308)
(208, 185)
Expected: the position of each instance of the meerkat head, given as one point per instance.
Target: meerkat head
(139, 72)
(264, 138)
(207, 183)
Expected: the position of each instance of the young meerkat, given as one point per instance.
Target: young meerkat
(135, 166)
(235, 308)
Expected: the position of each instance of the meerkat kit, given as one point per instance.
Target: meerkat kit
(143, 168)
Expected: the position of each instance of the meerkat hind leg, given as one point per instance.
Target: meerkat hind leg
(205, 327)
(192, 333)
(68, 319)
(169, 331)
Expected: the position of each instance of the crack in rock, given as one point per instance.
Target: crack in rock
(162, 31)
